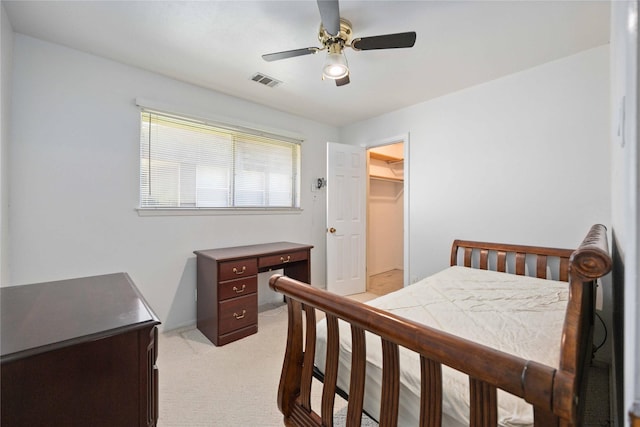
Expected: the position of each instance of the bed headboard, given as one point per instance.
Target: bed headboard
(548, 262)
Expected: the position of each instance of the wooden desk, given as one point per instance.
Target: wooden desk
(227, 301)
(78, 352)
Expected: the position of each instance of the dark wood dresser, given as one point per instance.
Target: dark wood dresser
(227, 306)
(78, 352)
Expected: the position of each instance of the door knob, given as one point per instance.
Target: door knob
(332, 230)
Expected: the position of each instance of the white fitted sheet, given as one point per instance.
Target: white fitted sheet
(519, 315)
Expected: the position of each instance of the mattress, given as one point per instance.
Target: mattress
(519, 315)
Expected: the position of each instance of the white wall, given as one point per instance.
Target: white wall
(6, 59)
(626, 187)
(521, 159)
(74, 179)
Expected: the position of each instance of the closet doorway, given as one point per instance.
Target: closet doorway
(385, 218)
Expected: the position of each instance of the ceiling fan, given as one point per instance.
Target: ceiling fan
(335, 34)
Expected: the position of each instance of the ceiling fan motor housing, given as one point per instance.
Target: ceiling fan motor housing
(343, 38)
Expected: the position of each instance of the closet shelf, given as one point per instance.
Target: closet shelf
(385, 157)
(386, 178)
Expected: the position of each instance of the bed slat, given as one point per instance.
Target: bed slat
(502, 262)
(563, 276)
(307, 366)
(287, 390)
(484, 404)
(430, 393)
(390, 384)
(331, 371)
(541, 267)
(358, 371)
(520, 263)
(467, 256)
(484, 259)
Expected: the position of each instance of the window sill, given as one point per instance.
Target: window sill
(218, 211)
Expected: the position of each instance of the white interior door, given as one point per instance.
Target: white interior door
(346, 219)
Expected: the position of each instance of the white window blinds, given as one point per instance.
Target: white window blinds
(185, 163)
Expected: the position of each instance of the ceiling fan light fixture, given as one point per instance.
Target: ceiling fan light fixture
(335, 65)
(335, 34)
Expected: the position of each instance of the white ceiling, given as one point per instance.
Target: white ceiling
(218, 45)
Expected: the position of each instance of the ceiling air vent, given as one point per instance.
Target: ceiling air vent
(265, 80)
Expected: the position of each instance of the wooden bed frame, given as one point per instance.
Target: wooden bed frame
(556, 393)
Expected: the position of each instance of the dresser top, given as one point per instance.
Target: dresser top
(46, 316)
(262, 249)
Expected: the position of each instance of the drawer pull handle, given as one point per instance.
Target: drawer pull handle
(240, 316)
(282, 260)
(238, 272)
(239, 291)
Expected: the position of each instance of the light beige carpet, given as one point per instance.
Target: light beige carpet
(202, 385)
(233, 385)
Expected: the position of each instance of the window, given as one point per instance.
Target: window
(186, 163)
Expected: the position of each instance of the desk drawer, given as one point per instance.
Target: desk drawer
(230, 270)
(283, 258)
(237, 288)
(237, 313)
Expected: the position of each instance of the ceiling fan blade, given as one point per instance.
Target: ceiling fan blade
(330, 16)
(387, 41)
(343, 81)
(289, 53)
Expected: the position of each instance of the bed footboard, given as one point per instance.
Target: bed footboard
(556, 393)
